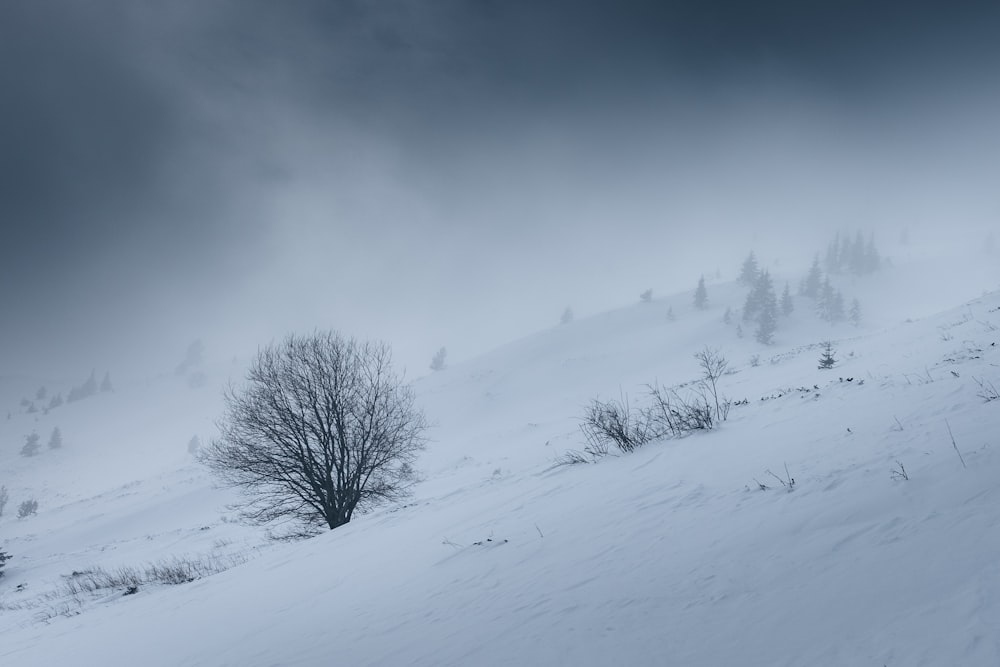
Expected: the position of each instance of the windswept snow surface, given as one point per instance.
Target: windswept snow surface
(671, 555)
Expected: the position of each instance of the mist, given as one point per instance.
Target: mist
(457, 175)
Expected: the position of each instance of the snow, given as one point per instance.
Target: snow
(669, 555)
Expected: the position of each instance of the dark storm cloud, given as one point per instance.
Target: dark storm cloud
(156, 155)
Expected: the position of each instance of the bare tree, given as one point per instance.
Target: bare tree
(323, 428)
(713, 366)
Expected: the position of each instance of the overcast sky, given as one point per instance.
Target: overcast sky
(453, 173)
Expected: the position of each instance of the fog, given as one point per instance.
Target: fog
(456, 175)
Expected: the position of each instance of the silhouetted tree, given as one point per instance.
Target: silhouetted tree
(86, 390)
(106, 383)
(567, 316)
(701, 295)
(193, 357)
(787, 304)
(646, 296)
(670, 314)
(438, 360)
(31, 445)
(323, 428)
(55, 440)
(727, 317)
(827, 360)
(855, 312)
(813, 283)
(749, 270)
(767, 316)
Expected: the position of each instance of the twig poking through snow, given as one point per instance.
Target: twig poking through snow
(954, 444)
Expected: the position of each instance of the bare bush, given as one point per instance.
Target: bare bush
(324, 428)
(171, 572)
(614, 422)
(713, 366)
(673, 415)
(987, 391)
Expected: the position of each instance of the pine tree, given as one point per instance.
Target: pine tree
(873, 260)
(837, 307)
(567, 316)
(106, 383)
(787, 304)
(670, 315)
(727, 317)
(701, 295)
(813, 282)
(31, 445)
(832, 260)
(827, 360)
(767, 318)
(749, 271)
(55, 440)
(739, 331)
(858, 260)
(855, 312)
(437, 362)
(824, 304)
(4, 557)
(646, 296)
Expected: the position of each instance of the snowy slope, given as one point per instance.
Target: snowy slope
(670, 555)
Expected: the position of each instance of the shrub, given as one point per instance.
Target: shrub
(27, 508)
(614, 422)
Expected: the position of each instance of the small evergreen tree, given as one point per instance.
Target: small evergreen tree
(824, 304)
(194, 445)
(787, 305)
(767, 317)
(837, 307)
(4, 557)
(646, 296)
(749, 270)
(670, 314)
(827, 359)
(4, 497)
(106, 383)
(727, 316)
(27, 508)
(438, 361)
(567, 316)
(55, 401)
(31, 445)
(855, 313)
(41, 394)
(55, 440)
(739, 331)
(813, 282)
(701, 295)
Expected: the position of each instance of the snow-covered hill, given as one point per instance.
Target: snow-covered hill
(672, 555)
